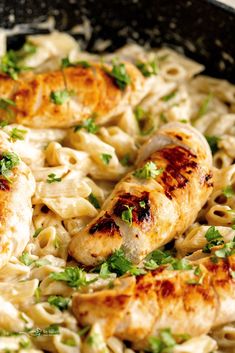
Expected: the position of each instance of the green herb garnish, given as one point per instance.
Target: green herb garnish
(73, 276)
(127, 215)
(37, 232)
(60, 97)
(48, 331)
(106, 158)
(162, 344)
(213, 143)
(65, 62)
(94, 201)
(17, 134)
(228, 191)
(204, 106)
(6, 105)
(169, 96)
(59, 302)
(89, 125)
(52, 178)
(149, 170)
(214, 238)
(148, 68)
(120, 75)
(8, 161)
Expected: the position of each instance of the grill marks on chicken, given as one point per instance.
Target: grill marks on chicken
(149, 212)
(137, 308)
(91, 90)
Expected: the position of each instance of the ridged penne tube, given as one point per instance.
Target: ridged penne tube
(183, 183)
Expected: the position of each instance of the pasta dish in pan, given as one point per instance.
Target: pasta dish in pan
(117, 193)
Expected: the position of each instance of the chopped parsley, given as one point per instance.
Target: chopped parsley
(119, 264)
(8, 161)
(37, 294)
(120, 75)
(142, 204)
(149, 170)
(148, 68)
(163, 118)
(17, 134)
(84, 330)
(6, 105)
(26, 259)
(74, 277)
(48, 331)
(214, 238)
(144, 119)
(60, 97)
(158, 258)
(37, 232)
(126, 160)
(169, 96)
(65, 62)
(3, 123)
(227, 250)
(228, 191)
(139, 113)
(213, 143)
(106, 158)
(52, 178)
(127, 215)
(162, 344)
(24, 343)
(69, 342)
(59, 302)
(204, 106)
(94, 201)
(89, 125)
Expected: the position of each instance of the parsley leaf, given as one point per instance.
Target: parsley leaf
(164, 343)
(139, 113)
(119, 264)
(227, 250)
(106, 158)
(120, 75)
(213, 143)
(126, 160)
(93, 200)
(17, 134)
(69, 342)
(65, 62)
(25, 259)
(89, 125)
(147, 68)
(149, 170)
(9, 65)
(60, 97)
(213, 238)
(204, 107)
(59, 302)
(163, 118)
(228, 191)
(8, 161)
(48, 331)
(127, 215)
(73, 276)
(159, 258)
(6, 105)
(52, 178)
(37, 232)
(169, 96)
(142, 204)
(3, 123)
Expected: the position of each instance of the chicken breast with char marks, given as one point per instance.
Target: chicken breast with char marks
(85, 91)
(17, 186)
(138, 308)
(145, 212)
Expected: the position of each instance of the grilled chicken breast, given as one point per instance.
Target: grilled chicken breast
(137, 308)
(16, 190)
(160, 208)
(91, 90)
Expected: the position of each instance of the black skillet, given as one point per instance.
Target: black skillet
(203, 29)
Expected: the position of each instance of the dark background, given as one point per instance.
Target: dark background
(203, 29)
